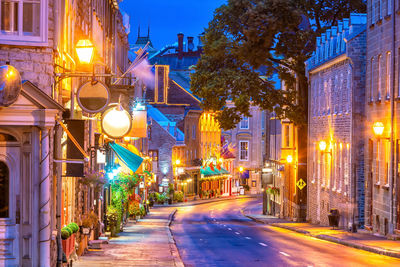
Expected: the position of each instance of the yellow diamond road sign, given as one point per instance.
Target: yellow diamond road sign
(301, 184)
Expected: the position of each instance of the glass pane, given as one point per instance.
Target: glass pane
(4, 190)
(31, 19)
(9, 17)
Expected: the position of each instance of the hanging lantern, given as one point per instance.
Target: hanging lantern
(116, 122)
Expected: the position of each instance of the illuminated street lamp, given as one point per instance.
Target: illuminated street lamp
(289, 159)
(84, 49)
(241, 169)
(322, 146)
(177, 162)
(378, 128)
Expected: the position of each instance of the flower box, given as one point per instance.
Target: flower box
(68, 245)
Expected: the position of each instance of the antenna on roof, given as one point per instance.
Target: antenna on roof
(138, 33)
(148, 31)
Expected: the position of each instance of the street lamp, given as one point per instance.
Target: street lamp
(84, 49)
(177, 162)
(378, 128)
(289, 159)
(241, 169)
(322, 146)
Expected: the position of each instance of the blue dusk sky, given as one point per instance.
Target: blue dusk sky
(169, 17)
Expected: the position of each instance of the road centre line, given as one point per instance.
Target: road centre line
(284, 254)
(237, 233)
(262, 244)
(230, 229)
(248, 237)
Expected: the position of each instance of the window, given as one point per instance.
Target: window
(389, 7)
(388, 74)
(287, 136)
(387, 162)
(4, 190)
(23, 21)
(244, 123)
(347, 169)
(244, 150)
(379, 77)
(371, 89)
(194, 132)
(380, 9)
(373, 9)
(253, 183)
(153, 154)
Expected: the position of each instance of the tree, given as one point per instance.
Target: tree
(248, 41)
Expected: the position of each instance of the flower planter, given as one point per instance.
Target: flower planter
(68, 245)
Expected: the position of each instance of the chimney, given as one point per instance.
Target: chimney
(200, 44)
(180, 45)
(190, 44)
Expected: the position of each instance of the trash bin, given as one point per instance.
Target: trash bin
(333, 217)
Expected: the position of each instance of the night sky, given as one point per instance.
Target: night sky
(169, 17)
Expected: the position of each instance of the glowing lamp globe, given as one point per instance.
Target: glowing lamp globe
(289, 159)
(84, 49)
(378, 128)
(241, 169)
(116, 123)
(178, 161)
(322, 145)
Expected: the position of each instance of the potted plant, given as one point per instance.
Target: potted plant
(68, 238)
(112, 220)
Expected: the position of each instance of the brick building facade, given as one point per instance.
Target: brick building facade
(336, 123)
(382, 95)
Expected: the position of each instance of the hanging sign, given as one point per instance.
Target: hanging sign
(10, 85)
(93, 96)
(116, 122)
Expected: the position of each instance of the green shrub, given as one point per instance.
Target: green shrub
(178, 196)
(68, 230)
(74, 227)
(246, 187)
(64, 234)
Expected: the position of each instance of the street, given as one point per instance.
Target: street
(217, 234)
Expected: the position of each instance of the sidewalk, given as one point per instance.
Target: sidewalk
(360, 240)
(204, 201)
(146, 243)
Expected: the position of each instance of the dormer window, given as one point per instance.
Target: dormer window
(23, 22)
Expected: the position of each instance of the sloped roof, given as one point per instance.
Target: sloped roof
(168, 125)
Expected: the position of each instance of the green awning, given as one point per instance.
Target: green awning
(131, 160)
(208, 172)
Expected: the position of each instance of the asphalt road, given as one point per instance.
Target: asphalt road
(217, 234)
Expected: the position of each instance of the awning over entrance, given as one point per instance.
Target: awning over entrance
(208, 172)
(131, 160)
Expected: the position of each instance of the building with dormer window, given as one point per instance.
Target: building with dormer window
(336, 114)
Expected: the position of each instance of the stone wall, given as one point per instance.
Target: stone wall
(336, 116)
(35, 63)
(162, 141)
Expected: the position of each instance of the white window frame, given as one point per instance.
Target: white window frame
(245, 126)
(26, 40)
(240, 151)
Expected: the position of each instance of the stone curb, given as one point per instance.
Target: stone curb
(174, 250)
(336, 240)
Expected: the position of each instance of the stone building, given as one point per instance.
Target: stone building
(336, 114)
(248, 138)
(32, 141)
(382, 93)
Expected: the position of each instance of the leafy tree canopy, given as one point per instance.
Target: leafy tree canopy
(248, 41)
